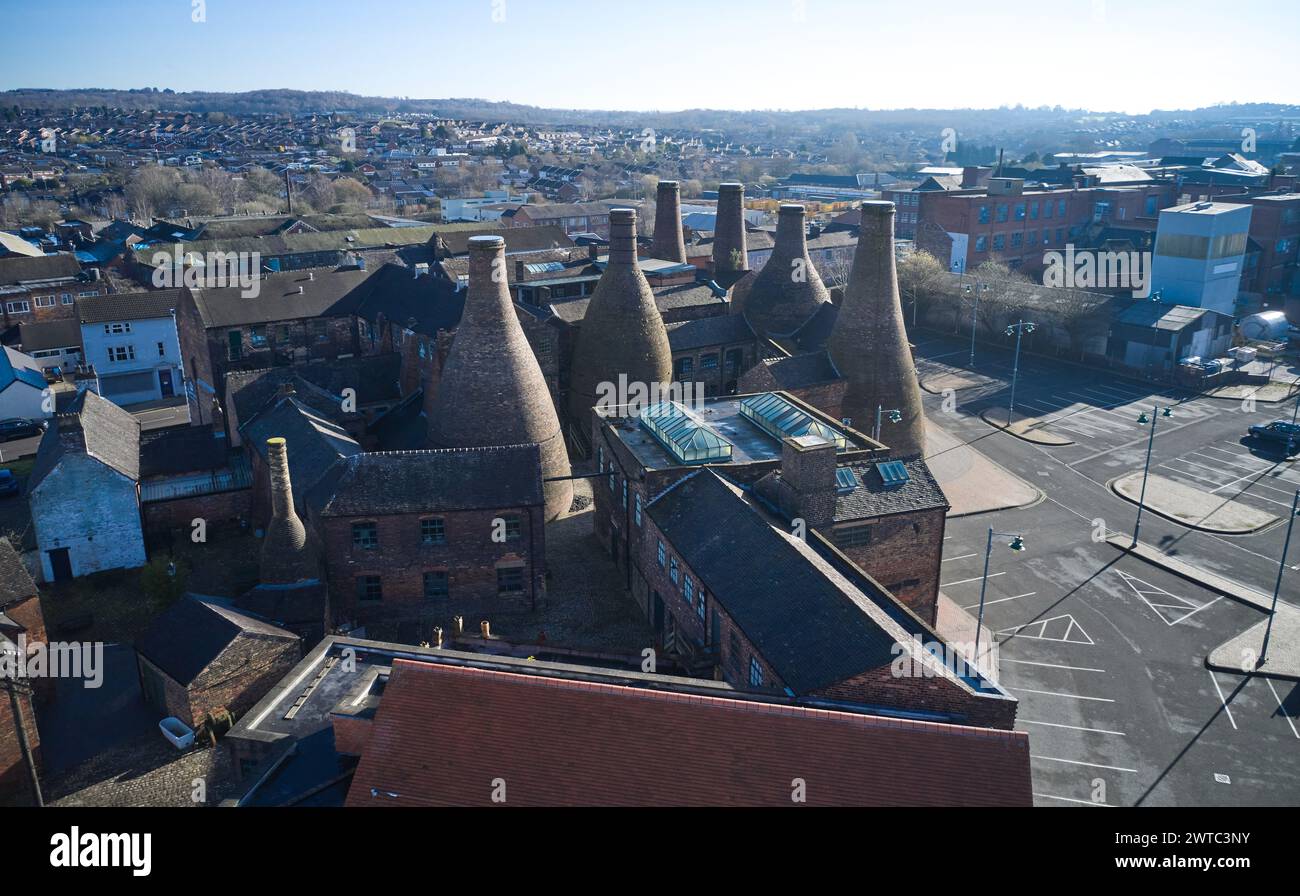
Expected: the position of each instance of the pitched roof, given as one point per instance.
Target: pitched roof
(19, 269)
(95, 427)
(799, 371)
(11, 372)
(38, 336)
(872, 497)
(193, 632)
(319, 384)
(323, 294)
(428, 304)
(421, 481)
(559, 741)
(314, 443)
(15, 581)
(706, 332)
(128, 306)
(808, 622)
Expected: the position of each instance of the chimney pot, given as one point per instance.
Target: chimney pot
(437, 637)
(457, 626)
(485, 629)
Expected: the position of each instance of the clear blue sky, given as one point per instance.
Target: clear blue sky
(1122, 55)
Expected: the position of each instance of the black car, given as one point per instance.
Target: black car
(8, 484)
(1279, 431)
(19, 428)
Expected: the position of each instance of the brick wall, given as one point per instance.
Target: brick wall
(881, 687)
(351, 734)
(226, 508)
(904, 554)
(15, 789)
(242, 674)
(468, 555)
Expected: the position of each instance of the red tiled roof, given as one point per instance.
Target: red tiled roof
(443, 734)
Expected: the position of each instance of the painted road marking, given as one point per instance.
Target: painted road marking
(1171, 608)
(1000, 600)
(1224, 702)
(1066, 799)
(993, 575)
(1071, 727)
(1055, 694)
(1063, 629)
(1109, 768)
(1280, 707)
(962, 557)
(1051, 666)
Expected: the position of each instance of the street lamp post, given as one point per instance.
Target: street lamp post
(975, 314)
(1277, 588)
(1020, 329)
(1017, 544)
(895, 416)
(1156, 414)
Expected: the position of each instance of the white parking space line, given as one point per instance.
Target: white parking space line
(1070, 727)
(1066, 799)
(993, 575)
(1001, 600)
(1055, 694)
(1281, 708)
(962, 557)
(1050, 665)
(1224, 702)
(1109, 768)
(1260, 467)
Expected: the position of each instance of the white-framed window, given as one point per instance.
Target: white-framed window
(88, 294)
(117, 329)
(66, 298)
(22, 307)
(120, 353)
(45, 301)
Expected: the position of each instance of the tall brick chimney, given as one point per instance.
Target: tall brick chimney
(730, 249)
(669, 243)
(287, 557)
(492, 391)
(788, 291)
(808, 477)
(869, 342)
(622, 332)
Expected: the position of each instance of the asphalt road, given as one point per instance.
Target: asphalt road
(1104, 651)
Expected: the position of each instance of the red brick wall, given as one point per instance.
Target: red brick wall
(15, 789)
(242, 675)
(881, 687)
(470, 557)
(904, 554)
(180, 513)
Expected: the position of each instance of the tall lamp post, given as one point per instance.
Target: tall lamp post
(1018, 545)
(1154, 419)
(894, 417)
(1019, 328)
(976, 291)
(1277, 588)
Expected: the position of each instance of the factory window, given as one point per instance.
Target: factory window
(1033, 211)
(1020, 211)
(625, 494)
(999, 241)
(984, 214)
(514, 528)
(433, 531)
(699, 607)
(673, 572)
(638, 511)
(1047, 209)
(981, 244)
(710, 362)
(436, 585)
(755, 673)
(852, 536)
(1060, 209)
(370, 589)
(365, 536)
(663, 554)
(688, 591)
(1016, 239)
(1002, 214)
(510, 580)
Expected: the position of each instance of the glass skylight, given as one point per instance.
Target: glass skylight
(685, 437)
(780, 419)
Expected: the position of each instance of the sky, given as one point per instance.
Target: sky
(668, 55)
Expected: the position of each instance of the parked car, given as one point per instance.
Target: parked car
(19, 428)
(1279, 431)
(8, 484)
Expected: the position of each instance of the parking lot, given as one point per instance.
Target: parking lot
(1104, 651)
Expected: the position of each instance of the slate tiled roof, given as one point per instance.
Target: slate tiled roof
(93, 426)
(873, 498)
(319, 384)
(415, 481)
(15, 581)
(314, 443)
(559, 741)
(128, 306)
(193, 632)
(812, 626)
(41, 335)
(802, 370)
(19, 269)
(324, 294)
(709, 331)
(426, 304)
